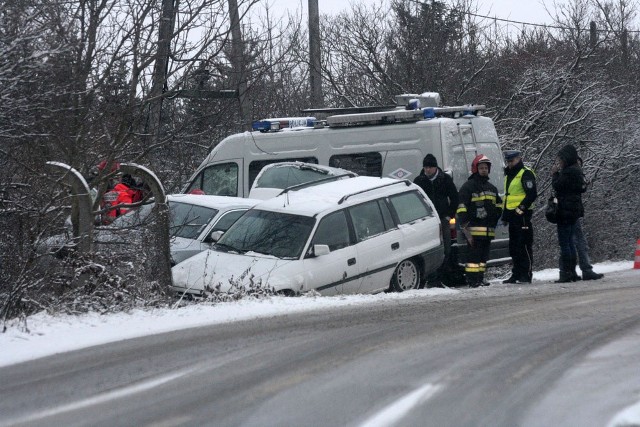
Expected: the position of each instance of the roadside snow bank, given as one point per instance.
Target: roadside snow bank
(46, 335)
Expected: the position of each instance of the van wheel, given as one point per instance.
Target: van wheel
(406, 276)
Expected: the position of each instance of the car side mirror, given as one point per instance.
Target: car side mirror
(214, 236)
(319, 250)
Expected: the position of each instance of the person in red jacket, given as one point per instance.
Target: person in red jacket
(122, 193)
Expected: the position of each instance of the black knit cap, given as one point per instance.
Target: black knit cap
(429, 161)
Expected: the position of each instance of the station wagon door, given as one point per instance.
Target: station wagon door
(379, 246)
(420, 227)
(330, 273)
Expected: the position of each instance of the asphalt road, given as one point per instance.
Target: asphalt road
(539, 355)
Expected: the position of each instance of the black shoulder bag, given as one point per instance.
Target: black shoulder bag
(551, 212)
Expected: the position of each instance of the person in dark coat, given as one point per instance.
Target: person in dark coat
(582, 248)
(568, 184)
(440, 188)
(520, 191)
(478, 213)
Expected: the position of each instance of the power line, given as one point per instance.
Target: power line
(556, 27)
(511, 21)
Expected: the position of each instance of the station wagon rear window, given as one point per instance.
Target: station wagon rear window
(410, 206)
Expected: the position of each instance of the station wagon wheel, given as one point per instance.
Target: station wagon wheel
(406, 276)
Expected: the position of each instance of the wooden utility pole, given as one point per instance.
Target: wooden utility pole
(315, 71)
(165, 32)
(238, 63)
(624, 42)
(593, 35)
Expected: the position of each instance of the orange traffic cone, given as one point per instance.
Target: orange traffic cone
(636, 263)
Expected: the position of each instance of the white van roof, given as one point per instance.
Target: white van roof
(314, 200)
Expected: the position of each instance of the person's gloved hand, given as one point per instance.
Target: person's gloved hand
(520, 210)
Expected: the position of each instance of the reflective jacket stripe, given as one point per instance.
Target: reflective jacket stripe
(482, 231)
(471, 267)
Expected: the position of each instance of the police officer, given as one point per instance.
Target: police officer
(478, 214)
(519, 194)
(443, 193)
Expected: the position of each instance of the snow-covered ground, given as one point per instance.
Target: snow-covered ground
(46, 335)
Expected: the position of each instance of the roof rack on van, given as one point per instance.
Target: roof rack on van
(348, 110)
(317, 181)
(346, 196)
(400, 116)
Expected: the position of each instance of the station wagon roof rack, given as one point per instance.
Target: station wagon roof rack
(346, 196)
(317, 181)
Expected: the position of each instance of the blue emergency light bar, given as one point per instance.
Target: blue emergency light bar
(267, 125)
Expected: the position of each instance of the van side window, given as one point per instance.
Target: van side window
(217, 180)
(367, 220)
(256, 166)
(410, 206)
(364, 164)
(333, 230)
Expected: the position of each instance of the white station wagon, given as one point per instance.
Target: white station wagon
(358, 235)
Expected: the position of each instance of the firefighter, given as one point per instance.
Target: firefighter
(479, 211)
(519, 194)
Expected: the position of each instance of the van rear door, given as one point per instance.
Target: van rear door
(402, 164)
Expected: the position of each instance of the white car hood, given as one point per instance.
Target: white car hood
(210, 269)
(180, 243)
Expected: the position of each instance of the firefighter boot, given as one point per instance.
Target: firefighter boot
(481, 281)
(472, 280)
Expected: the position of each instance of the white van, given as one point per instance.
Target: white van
(388, 143)
(358, 235)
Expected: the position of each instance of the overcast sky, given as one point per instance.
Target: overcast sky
(527, 11)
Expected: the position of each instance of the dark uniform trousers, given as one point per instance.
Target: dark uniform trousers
(521, 245)
(477, 258)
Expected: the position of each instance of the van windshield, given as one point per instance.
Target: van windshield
(270, 233)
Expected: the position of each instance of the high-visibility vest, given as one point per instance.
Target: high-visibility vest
(514, 195)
